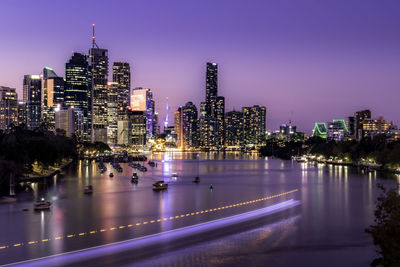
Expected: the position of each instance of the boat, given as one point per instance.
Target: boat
(135, 178)
(41, 205)
(174, 174)
(159, 186)
(111, 174)
(196, 180)
(88, 189)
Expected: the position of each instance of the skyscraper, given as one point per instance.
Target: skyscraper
(98, 61)
(189, 125)
(211, 86)
(254, 119)
(8, 107)
(178, 127)
(52, 95)
(113, 106)
(234, 129)
(142, 100)
(78, 93)
(122, 77)
(360, 116)
(32, 88)
(218, 109)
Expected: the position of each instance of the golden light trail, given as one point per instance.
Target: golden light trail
(152, 221)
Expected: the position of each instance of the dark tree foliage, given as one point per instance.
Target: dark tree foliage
(99, 147)
(385, 153)
(20, 148)
(386, 230)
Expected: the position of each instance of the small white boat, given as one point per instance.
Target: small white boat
(42, 205)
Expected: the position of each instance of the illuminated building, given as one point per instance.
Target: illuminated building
(122, 77)
(124, 132)
(234, 129)
(69, 120)
(254, 120)
(78, 82)
(33, 98)
(8, 107)
(287, 131)
(113, 106)
(98, 61)
(211, 86)
(52, 96)
(21, 113)
(189, 125)
(218, 111)
(209, 133)
(373, 127)
(142, 100)
(337, 130)
(320, 130)
(178, 127)
(360, 116)
(137, 120)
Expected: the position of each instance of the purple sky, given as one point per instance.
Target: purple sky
(309, 60)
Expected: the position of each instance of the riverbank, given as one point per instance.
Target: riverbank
(34, 176)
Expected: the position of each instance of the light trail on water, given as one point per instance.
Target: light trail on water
(74, 257)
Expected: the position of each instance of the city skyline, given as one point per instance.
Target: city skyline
(333, 65)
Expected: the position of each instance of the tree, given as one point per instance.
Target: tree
(386, 230)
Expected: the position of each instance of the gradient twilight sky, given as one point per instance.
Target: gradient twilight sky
(309, 60)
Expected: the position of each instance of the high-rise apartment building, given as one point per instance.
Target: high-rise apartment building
(360, 116)
(254, 120)
(178, 127)
(122, 77)
(8, 107)
(189, 125)
(113, 106)
(234, 129)
(21, 113)
(78, 92)
(32, 89)
(218, 109)
(98, 61)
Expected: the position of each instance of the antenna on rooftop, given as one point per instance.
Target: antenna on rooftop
(94, 45)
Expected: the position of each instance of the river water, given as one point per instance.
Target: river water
(327, 229)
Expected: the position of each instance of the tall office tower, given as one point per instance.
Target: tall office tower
(211, 86)
(78, 92)
(122, 76)
(189, 125)
(98, 61)
(53, 88)
(69, 120)
(33, 99)
(178, 127)
(52, 96)
(113, 106)
(234, 129)
(21, 113)
(218, 109)
(142, 100)
(8, 107)
(254, 119)
(360, 116)
(156, 127)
